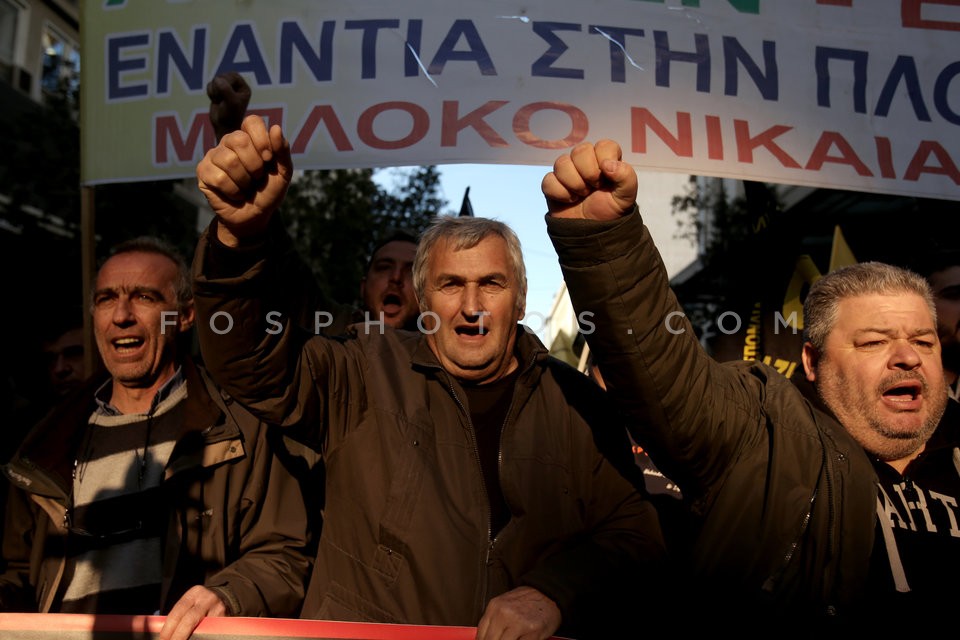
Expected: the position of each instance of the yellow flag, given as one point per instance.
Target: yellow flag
(840, 254)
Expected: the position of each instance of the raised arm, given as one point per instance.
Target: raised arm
(690, 412)
(591, 183)
(245, 178)
(247, 277)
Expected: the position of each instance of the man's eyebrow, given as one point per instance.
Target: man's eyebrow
(116, 291)
(487, 277)
(890, 332)
(149, 290)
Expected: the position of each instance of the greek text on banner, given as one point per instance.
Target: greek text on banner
(848, 94)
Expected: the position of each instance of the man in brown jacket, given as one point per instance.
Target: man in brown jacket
(464, 481)
(149, 491)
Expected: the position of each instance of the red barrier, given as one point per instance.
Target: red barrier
(63, 626)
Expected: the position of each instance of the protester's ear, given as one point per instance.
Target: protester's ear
(187, 316)
(810, 357)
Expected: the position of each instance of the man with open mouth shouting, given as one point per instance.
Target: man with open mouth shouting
(387, 288)
(147, 490)
(464, 482)
(801, 516)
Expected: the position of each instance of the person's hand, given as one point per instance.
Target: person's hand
(591, 182)
(245, 178)
(196, 604)
(229, 96)
(520, 614)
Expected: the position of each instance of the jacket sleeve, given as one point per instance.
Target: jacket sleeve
(619, 561)
(691, 413)
(249, 322)
(16, 593)
(272, 552)
(620, 554)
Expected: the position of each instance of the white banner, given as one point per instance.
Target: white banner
(849, 94)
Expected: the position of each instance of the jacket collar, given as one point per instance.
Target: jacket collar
(202, 411)
(528, 348)
(947, 433)
(52, 444)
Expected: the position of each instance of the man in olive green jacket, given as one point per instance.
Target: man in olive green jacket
(784, 497)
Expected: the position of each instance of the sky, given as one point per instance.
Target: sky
(511, 193)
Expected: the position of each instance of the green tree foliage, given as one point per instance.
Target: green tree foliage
(742, 251)
(727, 226)
(337, 217)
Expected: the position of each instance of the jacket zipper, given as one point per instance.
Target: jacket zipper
(772, 582)
(491, 541)
(834, 537)
(483, 486)
(506, 420)
(829, 588)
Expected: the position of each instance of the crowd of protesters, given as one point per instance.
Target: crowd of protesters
(437, 466)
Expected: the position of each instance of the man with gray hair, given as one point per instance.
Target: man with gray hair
(463, 482)
(801, 516)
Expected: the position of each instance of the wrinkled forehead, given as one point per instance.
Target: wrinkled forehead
(134, 270)
(490, 255)
(904, 310)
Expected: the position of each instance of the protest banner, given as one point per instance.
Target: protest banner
(848, 94)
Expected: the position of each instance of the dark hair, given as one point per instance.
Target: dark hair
(182, 286)
(395, 235)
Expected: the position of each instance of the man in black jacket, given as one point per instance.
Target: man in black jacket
(790, 523)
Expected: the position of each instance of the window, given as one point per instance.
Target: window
(61, 64)
(9, 14)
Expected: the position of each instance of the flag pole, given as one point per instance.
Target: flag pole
(87, 267)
